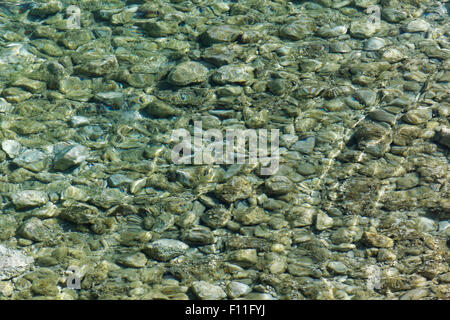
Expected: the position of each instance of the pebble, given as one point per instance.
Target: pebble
(207, 291)
(13, 263)
(165, 249)
(69, 157)
(29, 198)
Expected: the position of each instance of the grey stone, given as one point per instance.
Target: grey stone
(11, 147)
(165, 249)
(374, 44)
(221, 33)
(33, 160)
(237, 289)
(366, 96)
(29, 198)
(13, 263)
(70, 157)
(187, 73)
(33, 229)
(206, 291)
(237, 73)
(305, 146)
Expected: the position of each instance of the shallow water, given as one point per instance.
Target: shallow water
(348, 101)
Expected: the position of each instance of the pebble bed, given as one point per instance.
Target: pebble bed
(93, 207)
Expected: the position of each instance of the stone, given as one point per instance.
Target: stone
(250, 216)
(113, 99)
(418, 116)
(377, 240)
(374, 44)
(69, 157)
(337, 267)
(14, 94)
(237, 289)
(237, 188)
(8, 226)
(161, 109)
(220, 33)
(302, 216)
(13, 263)
(393, 15)
(296, 30)
(323, 221)
(34, 229)
(233, 73)
(34, 160)
(216, 217)
(207, 291)
(160, 28)
(187, 73)
(243, 257)
(363, 29)
(278, 185)
(165, 249)
(305, 146)
(408, 181)
(11, 147)
(137, 260)
(366, 96)
(29, 199)
(417, 25)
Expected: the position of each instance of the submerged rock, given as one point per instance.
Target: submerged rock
(13, 263)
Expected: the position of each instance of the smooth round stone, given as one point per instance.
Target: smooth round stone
(366, 96)
(374, 44)
(328, 32)
(166, 249)
(237, 289)
(221, 33)
(206, 291)
(418, 25)
(188, 73)
(33, 160)
(305, 146)
(278, 185)
(238, 73)
(33, 229)
(29, 199)
(393, 15)
(393, 55)
(337, 267)
(137, 260)
(418, 116)
(340, 47)
(113, 99)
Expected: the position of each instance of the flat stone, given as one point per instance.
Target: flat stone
(237, 289)
(165, 249)
(305, 146)
(29, 199)
(418, 25)
(377, 240)
(13, 263)
(238, 73)
(188, 73)
(11, 147)
(218, 34)
(206, 291)
(34, 160)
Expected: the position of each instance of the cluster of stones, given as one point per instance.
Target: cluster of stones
(358, 209)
